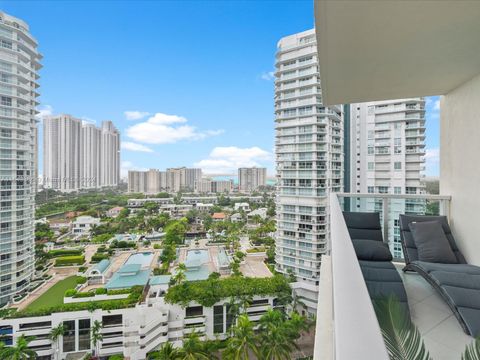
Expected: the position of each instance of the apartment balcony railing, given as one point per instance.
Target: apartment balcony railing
(347, 327)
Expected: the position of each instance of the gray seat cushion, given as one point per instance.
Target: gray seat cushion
(459, 285)
(363, 225)
(383, 280)
(431, 242)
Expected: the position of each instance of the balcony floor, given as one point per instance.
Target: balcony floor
(441, 332)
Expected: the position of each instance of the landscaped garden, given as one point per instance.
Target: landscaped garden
(54, 295)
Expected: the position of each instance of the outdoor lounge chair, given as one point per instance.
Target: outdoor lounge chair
(374, 257)
(457, 282)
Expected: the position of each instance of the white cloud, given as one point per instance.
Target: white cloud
(127, 145)
(135, 115)
(126, 165)
(268, 76)
(226, 160)
(436, 105)
(432, 161)
(167, 129)
(432, 156)
(86, 120)
(43, 111)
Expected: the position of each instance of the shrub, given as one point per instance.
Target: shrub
(39, 267)
(65, 252)
(157, 246)
(116, 357)
(81, 280)
(100, 291)
(82, 269)
(208, 292)
(99, 257)
(84, 294)
(70, 292)
(69, 260)
(160, 271)
(103, 238)
(119, 291)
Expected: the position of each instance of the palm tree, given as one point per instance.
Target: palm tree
(20, 351)
(96, 335)
(55, 335)
(180, 276)
(276, 337)
(242, 342)
(166, 352)
(193, 349)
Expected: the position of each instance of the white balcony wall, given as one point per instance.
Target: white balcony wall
(459, 170)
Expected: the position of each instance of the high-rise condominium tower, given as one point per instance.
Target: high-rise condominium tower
(79, 156)
(61, 153)
(19, 64)
(309, 157)
(387, 142)
(110, 155)
(249, 179)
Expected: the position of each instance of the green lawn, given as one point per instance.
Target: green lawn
(54, 295)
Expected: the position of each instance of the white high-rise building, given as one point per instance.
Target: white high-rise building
(61, 149)
(387, 142)
(250, 179)
(19, 65)
(90, 156)
(183, 179)
(79, 156)
(309, 158)
(110, 155)
(137, 181)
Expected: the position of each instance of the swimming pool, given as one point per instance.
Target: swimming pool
(144, 259)
(200, 256)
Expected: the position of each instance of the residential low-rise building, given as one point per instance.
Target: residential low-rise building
(83, 224)
(114, 212)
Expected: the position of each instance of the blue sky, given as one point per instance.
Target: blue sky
(192, 75)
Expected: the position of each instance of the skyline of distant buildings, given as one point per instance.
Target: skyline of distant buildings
(79, 156)
(154, 181)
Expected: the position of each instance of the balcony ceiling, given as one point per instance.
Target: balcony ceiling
(377, 50)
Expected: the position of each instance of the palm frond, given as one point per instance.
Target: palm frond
(472, 351)
(402, 339)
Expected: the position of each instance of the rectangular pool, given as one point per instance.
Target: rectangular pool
(200, 256)
(144, 259)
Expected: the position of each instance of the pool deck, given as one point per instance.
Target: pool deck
(255, 267)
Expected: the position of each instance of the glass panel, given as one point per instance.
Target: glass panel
(218, 319)
(84, 334)
(69, 336)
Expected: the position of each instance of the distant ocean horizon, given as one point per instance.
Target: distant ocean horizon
(234, 178)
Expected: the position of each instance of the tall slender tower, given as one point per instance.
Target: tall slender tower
(19, 65)
(110, 155)
(387, 142)
(309, 158)
(62, 152)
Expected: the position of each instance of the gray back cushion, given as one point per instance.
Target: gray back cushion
(410, 250)
(432, 243)
(363, 225)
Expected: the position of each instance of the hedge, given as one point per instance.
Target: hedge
(208, 292)
(100, 291)
(69, 260)
(99, 257)
(133, 298)
(65, 252)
